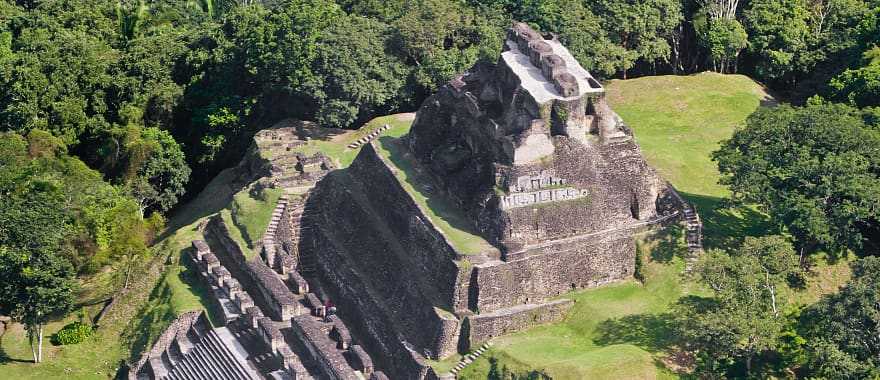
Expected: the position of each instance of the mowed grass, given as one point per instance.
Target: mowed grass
(623, 331)
(679, 121)
(445, 215)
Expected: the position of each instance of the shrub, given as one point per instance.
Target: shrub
(73, 333)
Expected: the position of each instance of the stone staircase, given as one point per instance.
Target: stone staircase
(693, 235)
(209, 359)
(363, 140)
(470, 358)
(269, 236)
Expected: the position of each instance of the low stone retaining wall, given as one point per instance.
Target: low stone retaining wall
(257, 278)
(484, 327)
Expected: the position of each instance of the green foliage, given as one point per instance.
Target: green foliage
(442, 39)
(54, 203)
(843, 329)
(73, 333)
(743, 318)
(36, 286)
(814, 169)
(860, 87)
(642, 27)
(358, 77)
(724, 39)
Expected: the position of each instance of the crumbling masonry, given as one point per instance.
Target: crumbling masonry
(526, 149)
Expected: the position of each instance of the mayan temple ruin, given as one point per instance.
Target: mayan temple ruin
(525, 152)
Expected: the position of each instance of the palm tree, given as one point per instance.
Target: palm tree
(131, 19)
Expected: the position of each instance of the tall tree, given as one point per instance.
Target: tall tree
(742, 319)
(814, 170)
(641, 27)
(357, 76)
(843, 329)
(36, 286)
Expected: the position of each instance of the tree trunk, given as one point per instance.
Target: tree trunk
(30, 333)
(127, 274)
(40, 344)
(749, 365)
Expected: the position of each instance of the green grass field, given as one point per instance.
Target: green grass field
(622, 331)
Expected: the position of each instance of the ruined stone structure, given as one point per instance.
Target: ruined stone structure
(532, 157)
(532, 154)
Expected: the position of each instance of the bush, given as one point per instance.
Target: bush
(73, 333)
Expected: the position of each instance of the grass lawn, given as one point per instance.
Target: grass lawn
(252, 214)
(622, 331)
(679, 121)
(443, 213)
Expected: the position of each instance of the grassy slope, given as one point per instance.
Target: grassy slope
(442, 213)
(156, 297)
(620, 331)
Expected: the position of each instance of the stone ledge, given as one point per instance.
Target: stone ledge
(483, 327)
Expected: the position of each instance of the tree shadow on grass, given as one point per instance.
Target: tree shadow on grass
(725, 225)
(190, 276)
(5, 358)
(650, 332)
(150, 321)
(670, 244)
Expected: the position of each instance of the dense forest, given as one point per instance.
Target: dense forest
(114, 112)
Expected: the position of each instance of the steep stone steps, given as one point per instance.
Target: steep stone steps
(369, 137)
(225, 355)
(211, 359)
(470, 358)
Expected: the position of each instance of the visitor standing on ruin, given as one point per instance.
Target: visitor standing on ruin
(330, 309)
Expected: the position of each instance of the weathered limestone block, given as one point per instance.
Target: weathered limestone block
(542, 275)
(483, 327)
(315, 305)
(361, 360)
(297, 283)
(200, 248)
(272, 336)
(322, 350)
(209, 262)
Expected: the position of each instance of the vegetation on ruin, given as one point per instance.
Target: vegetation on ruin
(251, 210)
(443, 213)
(117, 115)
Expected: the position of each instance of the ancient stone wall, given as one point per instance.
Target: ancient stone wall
(369, 317)
(193, 320)
(483, 327)
(552, 271)
(397, 278)
(431, 256)
(257, 279)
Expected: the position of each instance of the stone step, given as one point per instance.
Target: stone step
(187, 369)
(235, 364)
(208, 368)
(230, 364)
(200, 365)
